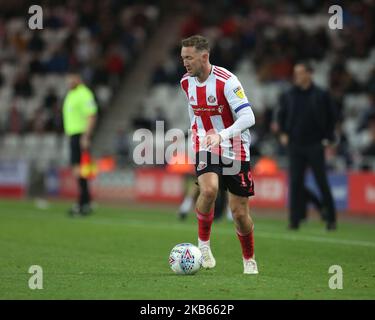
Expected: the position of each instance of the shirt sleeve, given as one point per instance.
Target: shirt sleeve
(88, 104)
(245, 120)
(240, 106)
(235, 95)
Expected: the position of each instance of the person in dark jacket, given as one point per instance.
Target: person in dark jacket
(306, 121)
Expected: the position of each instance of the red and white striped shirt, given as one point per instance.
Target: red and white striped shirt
(214, 106)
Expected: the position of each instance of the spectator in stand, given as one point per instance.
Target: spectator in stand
(22, 86)
(15, 122)
(367, 114)
(38, 121)
(369, 151)
(140, 121)
(51, 99)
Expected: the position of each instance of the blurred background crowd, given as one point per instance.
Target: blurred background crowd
(260, 41)
(106, 40)
(100, 39)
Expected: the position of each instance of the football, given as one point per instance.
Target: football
(185, 258)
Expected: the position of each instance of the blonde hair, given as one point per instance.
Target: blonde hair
(197, 41)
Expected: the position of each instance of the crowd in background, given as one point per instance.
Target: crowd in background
(272, 36)
(101, 39)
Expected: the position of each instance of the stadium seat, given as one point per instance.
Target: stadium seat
(360, 69)
(31, 146)
(11, 146)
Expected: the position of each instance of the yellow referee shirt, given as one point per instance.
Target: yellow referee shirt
(79, 103)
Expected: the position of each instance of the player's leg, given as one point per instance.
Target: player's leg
(208, 188)
(221, 201)
(245, 230)
(241, 187)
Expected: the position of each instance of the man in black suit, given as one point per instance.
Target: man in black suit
(306, 120)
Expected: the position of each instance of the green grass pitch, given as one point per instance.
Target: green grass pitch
(122, 253)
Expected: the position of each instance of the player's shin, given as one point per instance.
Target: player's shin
(204, 231)
(204, 224)
(247, 243)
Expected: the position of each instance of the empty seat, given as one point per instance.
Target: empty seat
(11, 146)
(31, 146)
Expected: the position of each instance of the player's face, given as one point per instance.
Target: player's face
(72, 81)
(193, 60)
(302, 76)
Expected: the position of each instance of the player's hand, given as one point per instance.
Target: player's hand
(212, 140)
(284, 139)
(85, 142)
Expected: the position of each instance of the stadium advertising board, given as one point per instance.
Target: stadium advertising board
(352, 192)
(14, 178)
(270, 191)
(362, 193)
(158, 185)
(339, 187)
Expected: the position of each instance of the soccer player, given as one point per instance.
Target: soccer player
(220, 116)
(79, 117)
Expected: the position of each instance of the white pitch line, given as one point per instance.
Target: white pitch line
(258, 233)
(279, 236)
(262, 234)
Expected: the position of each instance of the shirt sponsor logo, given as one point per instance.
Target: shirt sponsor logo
(239, 92)
(201, 165)
(213, 109)
(211, 99)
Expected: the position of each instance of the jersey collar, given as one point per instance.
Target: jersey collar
(202, 84)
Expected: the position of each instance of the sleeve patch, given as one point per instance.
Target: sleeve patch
(239, 92)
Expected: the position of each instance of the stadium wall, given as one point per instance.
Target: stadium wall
(353, 192)
(14, 178)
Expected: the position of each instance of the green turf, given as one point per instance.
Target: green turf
(122, 253)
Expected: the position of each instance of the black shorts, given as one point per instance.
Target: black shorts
(75, 149)
(236, 175)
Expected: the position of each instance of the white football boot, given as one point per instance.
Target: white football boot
(209, 261)
(250, 266)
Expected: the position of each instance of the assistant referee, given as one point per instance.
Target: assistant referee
(79, 117)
